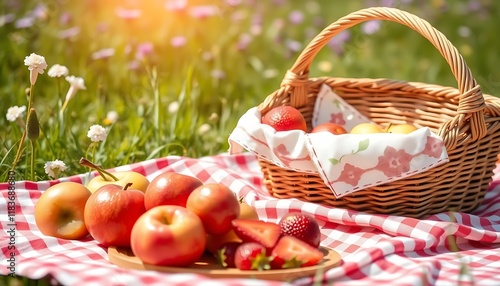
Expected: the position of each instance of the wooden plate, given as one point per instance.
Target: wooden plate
(207, 266)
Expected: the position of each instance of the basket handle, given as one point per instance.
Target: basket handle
(470, 101)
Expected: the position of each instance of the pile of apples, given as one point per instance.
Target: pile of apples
(173, 220)
(283, 118)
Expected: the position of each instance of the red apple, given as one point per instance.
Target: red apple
(216, 205)
(111, 212)
(170, 188)
(215, 242)
(168, 236)
(333, 128)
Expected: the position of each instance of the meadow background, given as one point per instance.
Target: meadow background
(172, 77)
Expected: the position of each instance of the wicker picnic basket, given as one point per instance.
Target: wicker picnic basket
(467, 120)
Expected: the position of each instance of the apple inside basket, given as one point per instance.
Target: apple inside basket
(365, 156)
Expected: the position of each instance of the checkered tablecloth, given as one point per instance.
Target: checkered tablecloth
(376, 249)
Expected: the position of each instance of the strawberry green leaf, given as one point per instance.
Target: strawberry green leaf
(292, 263)
(261, 262)
(221, 257)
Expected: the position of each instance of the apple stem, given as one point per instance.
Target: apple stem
(100, 170)
(127, 186)
(387, 128)
(102, 175)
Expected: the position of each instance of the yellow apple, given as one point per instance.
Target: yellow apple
(139, 181)
(59, 212)
(401, 128)
(366, 128)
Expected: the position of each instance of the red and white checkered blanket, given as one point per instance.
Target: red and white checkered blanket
(376, 249)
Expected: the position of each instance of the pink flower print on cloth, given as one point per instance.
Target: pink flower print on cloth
(350, 174)
(282, 152)
(337, 118)
(352, 162)
(394, 162)
(433, 147)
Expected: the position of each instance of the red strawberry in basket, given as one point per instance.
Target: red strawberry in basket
(301, 226)
(251, 256)
(291, 252)
(264, 233)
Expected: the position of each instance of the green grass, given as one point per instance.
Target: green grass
(243, 77)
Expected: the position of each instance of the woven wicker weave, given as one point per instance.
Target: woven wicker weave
(467, 120)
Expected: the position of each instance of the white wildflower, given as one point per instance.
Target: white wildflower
(111, 117)
(52, 168)
(464, 31)
(213, 117)
(15, 112)
(173, 107)
(77, 83)
(97, 133)
(270, 73)
(58, 70)
(36, 65)
(204, 128)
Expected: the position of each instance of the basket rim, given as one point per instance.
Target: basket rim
(471, 102)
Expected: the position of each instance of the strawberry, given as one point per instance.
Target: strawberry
(291, 252)
(225, 255)
(264, 233)
(301, 226)
(284, 118)
(251, 256)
